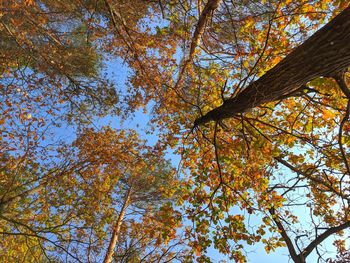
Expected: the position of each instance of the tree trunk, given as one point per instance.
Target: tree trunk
(116, 230)
(325, 53)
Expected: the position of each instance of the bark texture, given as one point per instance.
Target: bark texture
(325, 53)
(116, 230)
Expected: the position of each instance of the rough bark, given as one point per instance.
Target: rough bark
(325, 53)
(116, 230)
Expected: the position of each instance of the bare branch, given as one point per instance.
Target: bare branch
(323, 236)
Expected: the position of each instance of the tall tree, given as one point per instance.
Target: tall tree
(108, 179)
(325, 54)
(236, 163)
(275, 106)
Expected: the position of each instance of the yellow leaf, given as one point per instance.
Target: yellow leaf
(328, 114)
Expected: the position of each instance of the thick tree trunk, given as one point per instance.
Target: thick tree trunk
(116, 229)
(325, 53)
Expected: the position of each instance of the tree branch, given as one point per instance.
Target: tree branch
(323, 54)
(285, 236)
(307, 175)
(323, 236)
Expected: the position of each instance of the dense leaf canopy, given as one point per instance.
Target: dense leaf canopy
(253, 99)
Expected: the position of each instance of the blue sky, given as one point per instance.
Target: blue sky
(119, 73)
(256, 254)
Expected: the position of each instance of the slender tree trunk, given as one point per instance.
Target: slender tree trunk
(116, 228)
(208, 10)
(325, 53)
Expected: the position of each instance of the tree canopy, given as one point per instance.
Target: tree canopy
(253, 96)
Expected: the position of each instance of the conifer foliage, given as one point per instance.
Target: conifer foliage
(253, 96)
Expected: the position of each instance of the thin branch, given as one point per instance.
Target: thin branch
(284, 234)
(307, 175)
(323, 236)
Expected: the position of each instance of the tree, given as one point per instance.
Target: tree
(108, 179)
(133, 176)
(259, 119)
(324, 54)
(237, 161)
(51, 76)
(321, 187)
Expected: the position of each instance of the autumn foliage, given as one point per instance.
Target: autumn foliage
(262, 135)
